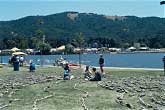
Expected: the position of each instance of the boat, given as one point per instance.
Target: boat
(62, 61)
(73, 64)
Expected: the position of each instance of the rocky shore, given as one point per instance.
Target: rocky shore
(144, 93)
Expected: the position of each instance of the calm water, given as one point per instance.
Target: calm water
(139, 60)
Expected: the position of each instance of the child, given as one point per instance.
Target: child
(21, 59)
(32, 66)
(66, 72)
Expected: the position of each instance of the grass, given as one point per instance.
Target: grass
(64, 95)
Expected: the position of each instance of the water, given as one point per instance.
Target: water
(138, 60)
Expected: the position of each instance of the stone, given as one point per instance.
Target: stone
(142, 94)
(129, 105)
(142, 102)
(156, 108)
(119, 102)
(1, 95)
(120, 97)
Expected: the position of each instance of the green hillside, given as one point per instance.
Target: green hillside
(61, 27)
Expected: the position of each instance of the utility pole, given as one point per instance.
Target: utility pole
(43, 42)
(163, 3)
(80, 41)
(164, 64)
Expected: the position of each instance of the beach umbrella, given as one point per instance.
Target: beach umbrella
(19, 53)
(61, 48)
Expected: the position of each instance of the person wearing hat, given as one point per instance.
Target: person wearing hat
(101, 63)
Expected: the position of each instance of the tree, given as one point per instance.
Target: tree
(21, 42)
(125, 45)
(33, 42)
(69, 48)
(112, 42)
(39, 33)
(11, 43)
(80, 40)
(44, 48)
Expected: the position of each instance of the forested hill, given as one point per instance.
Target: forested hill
(122, 29)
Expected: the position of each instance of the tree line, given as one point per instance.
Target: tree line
(36, 42)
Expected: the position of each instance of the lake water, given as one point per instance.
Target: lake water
(138, 60)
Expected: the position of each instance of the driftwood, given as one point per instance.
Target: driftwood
(38, 100)
(141, 101)
(4, 106)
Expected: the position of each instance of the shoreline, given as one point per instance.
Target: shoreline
(127, 68)
(136, 52)
(114, 68)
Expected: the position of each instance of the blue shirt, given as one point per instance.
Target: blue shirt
(66, 71)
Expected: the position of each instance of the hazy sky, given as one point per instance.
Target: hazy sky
(14, 9)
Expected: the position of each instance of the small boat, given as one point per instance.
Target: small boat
(60, 62)
(72, 64)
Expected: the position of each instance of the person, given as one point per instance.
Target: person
(11, 60)
(15, 61)
(97, 76)
(17, 58)
(66, 72)
(21, 59)
(87, 73)
(32, 66)
(101, 63)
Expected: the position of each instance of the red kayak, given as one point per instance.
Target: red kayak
(72, 64)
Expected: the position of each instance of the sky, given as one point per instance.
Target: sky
(15, 9)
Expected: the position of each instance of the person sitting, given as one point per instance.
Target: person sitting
(66, 72)
(32, 66)
(87, 73)
(97, 76)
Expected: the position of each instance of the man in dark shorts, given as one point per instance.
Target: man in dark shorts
(101, 63)
(66, 72)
